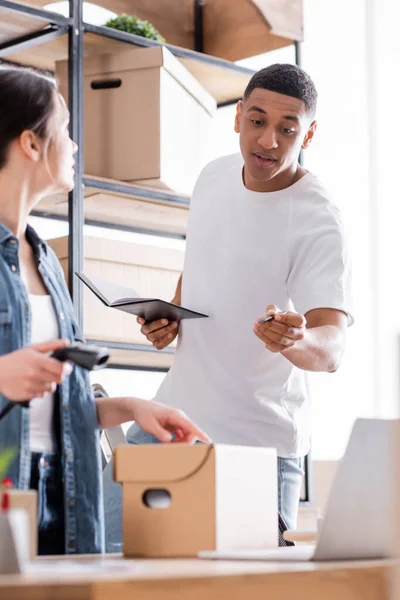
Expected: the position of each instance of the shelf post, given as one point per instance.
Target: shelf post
(76, 197)
(198, 26)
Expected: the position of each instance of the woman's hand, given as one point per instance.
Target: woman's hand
(30, 372)
(164, 422)
(158, 419)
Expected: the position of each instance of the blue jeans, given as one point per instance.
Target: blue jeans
(290, 474)
(46, 478)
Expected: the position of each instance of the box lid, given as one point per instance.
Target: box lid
(145, 58)
(159, 462)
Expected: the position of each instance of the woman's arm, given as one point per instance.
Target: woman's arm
(162, 421)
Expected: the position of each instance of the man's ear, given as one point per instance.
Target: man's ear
(31, 145)
(239, 108)
(309, 135)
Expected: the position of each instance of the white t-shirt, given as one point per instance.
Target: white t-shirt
(44, 327)
(246, 250)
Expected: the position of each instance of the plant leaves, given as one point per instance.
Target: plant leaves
(132, 24)
(6, 458)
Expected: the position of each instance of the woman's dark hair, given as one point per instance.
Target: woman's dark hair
(26, 102)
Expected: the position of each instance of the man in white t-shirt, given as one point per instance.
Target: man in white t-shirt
(263, 238)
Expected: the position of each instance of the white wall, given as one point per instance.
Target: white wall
(334, 54)
(384, 53)
(355, 153)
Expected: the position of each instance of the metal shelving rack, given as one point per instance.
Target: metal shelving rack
(75, 28)
(56, 26)
(48, 27)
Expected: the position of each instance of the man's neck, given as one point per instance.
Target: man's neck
(280, 182)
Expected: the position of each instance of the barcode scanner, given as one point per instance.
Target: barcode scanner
(87, 356)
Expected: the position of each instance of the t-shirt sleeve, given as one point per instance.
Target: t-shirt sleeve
(320, 269)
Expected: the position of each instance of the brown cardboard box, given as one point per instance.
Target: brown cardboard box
(27, 500)
(151, 271)
(180, 499)
(147, 119)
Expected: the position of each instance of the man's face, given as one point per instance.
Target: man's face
(273, 128)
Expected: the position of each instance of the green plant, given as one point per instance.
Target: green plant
(6, 457)
(132, 24)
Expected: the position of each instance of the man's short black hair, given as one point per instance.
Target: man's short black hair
(286, 79)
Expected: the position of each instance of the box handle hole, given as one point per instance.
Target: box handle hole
(106, 84)
(159, 498)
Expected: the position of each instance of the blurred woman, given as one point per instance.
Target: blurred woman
(58, 436)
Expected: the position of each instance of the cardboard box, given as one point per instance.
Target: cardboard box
(14, 541)
(180, 499)
(151, 271)
(27, 500)
(146, 118)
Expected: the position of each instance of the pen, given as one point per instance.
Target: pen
(270, 317)
(266, 319)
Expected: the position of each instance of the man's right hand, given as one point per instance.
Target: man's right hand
(160, 333)
(30, 373)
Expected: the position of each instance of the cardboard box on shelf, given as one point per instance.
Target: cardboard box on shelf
(146, 118)
(151, 271)
(180, 499)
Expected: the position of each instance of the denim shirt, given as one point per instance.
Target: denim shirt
(80, 442)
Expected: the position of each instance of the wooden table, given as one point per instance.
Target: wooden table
(119, 579)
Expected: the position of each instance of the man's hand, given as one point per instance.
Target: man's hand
(284, 331)
(160, 333)
(30, 373)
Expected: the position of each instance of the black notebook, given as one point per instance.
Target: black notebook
(126, 299)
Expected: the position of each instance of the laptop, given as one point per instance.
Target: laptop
(358, 522)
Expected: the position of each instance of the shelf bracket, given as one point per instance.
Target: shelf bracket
(198, 26)
(30, 40)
